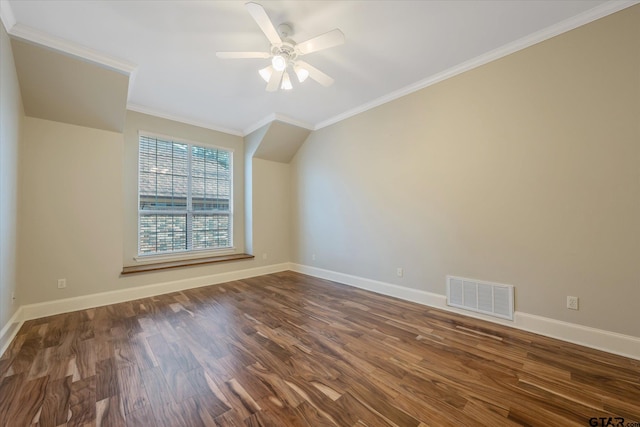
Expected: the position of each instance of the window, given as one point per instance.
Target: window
(184, 197)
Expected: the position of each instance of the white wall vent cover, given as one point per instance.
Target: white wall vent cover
(489, 298)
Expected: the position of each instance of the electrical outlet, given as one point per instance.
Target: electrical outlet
(399, 272)
(264, 255)
(572, 303)
(62, 283)
(313, 257)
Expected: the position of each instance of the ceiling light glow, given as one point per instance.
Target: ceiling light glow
(279, 63)
(302, 73)
(265, 73)
(286, 82)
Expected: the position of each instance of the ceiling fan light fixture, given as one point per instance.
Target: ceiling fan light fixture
(279, 63)
(265, 73)
(301, 73)
(284, 52)
(286, 82)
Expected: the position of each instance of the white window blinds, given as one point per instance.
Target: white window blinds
(185, 194)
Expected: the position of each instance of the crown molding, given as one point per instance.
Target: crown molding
(583, 18)
(257, 125)
(280, 118)
(31, 35)
(6, 15)
(23, 32)
(132, 79)
(294, 122)
(164, 115)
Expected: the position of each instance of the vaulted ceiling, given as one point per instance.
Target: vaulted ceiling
(167, 49)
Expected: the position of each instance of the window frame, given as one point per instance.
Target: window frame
(189, 212)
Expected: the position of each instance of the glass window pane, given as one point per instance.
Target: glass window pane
(165, 185)
(211, 182)
(211, 231)
(162, 233)
(163, 174)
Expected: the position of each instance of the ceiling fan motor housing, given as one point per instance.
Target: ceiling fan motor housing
(286, 50)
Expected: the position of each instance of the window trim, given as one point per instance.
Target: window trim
(187, 253)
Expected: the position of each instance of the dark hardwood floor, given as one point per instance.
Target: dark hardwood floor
(291, 350)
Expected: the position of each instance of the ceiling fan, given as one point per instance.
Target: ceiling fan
(285, 53)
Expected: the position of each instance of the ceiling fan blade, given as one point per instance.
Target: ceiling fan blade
(316, 74)
(323, 41)
(262, 19)
(242, 55)
(274, 81)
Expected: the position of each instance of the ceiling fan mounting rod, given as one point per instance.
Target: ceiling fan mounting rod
(285, 30)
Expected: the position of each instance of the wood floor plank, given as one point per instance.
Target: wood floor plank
(229, 419)
(109, 412)
(131, 389)
(142, 417)
(28, 402)
(85, 355)
(194, 414)
(5, 364)
(159, 393)
(55, 408)
(266, 419)
(29, 350)
(287, 349)
(208, 397)
(9, 389)
(311, 416)
(106, 378)
(173, 367)
(82, 402)
(169, 415)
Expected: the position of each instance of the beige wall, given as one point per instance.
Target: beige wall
(71, 210)
(271, 211)
(251, 143)
(11, 114)
(524, 171)
(78, 204)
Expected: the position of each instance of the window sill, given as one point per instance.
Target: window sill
(169, 265)
(186, 255)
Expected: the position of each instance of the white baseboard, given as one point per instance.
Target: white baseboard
(611, 342)
(10, 330)
(50, 308)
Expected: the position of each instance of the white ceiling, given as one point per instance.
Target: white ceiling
(392, 48)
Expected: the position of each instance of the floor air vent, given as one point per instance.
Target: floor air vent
(483, 297)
